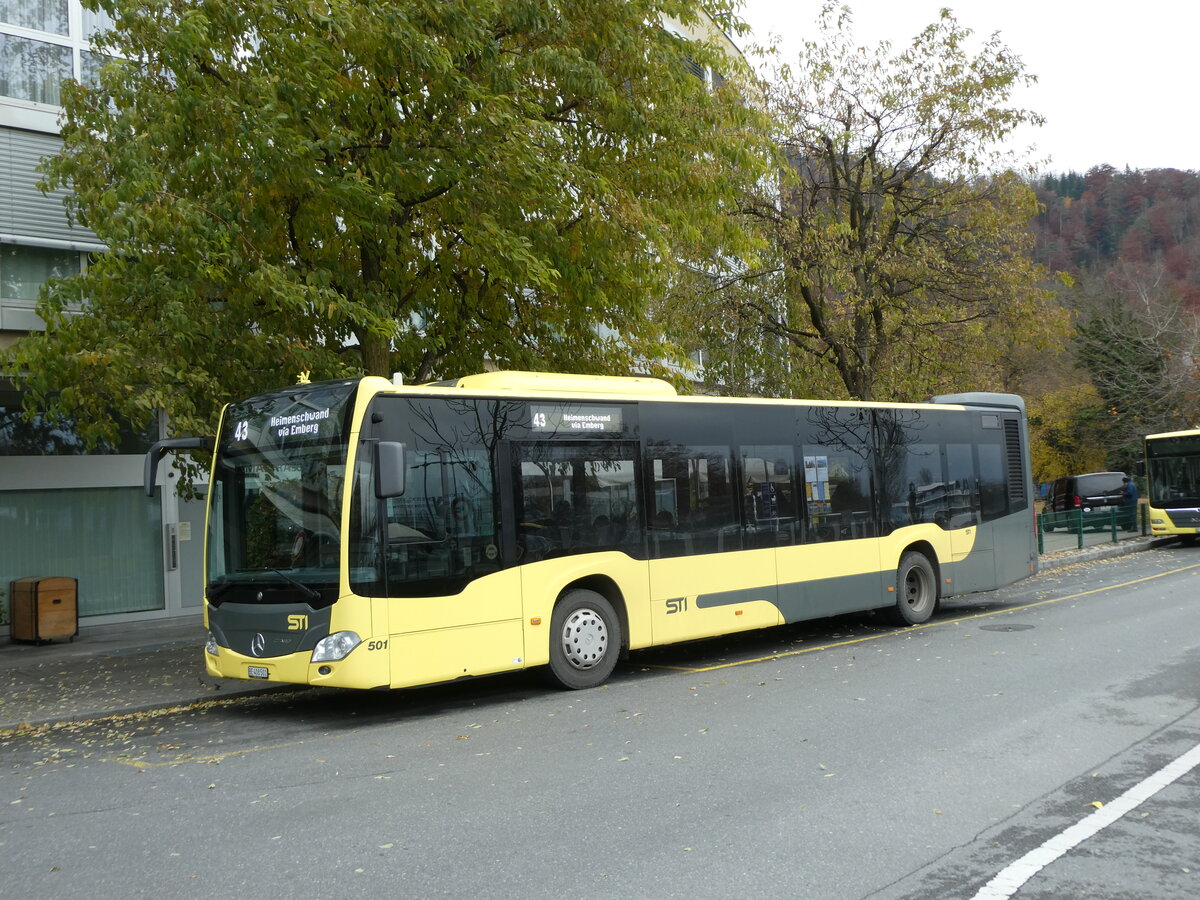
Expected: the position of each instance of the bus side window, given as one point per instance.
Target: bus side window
(993, 485)
(576, 497)
(916, 486)
(691, 500)
(837, 489)
(962, 490)
(769, 498)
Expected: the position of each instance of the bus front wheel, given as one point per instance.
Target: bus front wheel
(916, 589)
(585, 640)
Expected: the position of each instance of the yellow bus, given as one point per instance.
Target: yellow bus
(1173, 481)
(365, 534)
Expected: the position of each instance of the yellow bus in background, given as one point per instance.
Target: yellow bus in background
(1173, 483)
(364, 534)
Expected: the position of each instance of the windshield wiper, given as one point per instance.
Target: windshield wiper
(303, 588)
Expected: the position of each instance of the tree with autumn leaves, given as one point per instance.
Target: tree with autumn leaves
(354, 187)
(897, 250)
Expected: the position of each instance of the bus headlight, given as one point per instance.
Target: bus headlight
(210, 645)
(1157, 522)
(335, 647)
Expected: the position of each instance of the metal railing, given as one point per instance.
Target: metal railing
(1075, 529)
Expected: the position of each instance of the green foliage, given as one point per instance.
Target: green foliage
(1137, 343)
(393, 185)
(898, 262)
(1067, 432)
(1070, 186)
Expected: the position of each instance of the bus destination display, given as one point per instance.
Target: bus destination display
(555, 419)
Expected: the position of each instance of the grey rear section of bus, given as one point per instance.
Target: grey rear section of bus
(1014, 553)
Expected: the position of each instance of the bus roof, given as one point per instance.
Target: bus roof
(1189, 432)
(556, 383)
(982, 398)
(643, 387)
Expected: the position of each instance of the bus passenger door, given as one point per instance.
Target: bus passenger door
(454, 609)
(973, 565)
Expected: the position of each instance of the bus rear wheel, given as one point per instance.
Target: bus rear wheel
(916, 589)
(585, 640)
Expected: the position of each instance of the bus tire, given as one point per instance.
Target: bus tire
(585, 640)
(916, 589)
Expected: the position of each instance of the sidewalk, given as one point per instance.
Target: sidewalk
(112, 670)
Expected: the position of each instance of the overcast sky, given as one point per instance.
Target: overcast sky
(1117, 83)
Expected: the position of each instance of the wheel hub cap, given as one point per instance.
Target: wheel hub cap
(584, 638)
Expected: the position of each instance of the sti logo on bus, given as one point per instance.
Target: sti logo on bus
(677, 605)
(297, 623)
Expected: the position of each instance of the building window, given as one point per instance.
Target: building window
(89, 67)
(23, 270)
(95, 20)
(70, 532)
(33, 70)
(22, 435)
(38, 48)
(39, 15)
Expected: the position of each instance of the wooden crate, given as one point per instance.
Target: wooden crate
(41, 609)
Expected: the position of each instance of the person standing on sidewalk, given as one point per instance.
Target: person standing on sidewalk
(1129, 502)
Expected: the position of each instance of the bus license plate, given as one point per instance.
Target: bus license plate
(257, 671)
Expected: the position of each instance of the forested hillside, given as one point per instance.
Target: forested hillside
(1136, 218)
(1128, 244)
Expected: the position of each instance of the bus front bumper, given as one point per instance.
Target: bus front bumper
(360, 669)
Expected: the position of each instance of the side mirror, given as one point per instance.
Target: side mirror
(389, 469)
(157, 451)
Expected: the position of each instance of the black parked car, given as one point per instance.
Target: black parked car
(1093, 492)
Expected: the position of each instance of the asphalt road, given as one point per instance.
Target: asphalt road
(839, 759)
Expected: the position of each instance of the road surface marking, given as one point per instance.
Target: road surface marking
(1010, 879)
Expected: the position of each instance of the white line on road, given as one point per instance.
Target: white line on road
(1009, 881)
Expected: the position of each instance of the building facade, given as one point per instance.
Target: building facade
(64, 512)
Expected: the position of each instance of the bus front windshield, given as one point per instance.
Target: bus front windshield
(275, 521)
(1173, 467)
